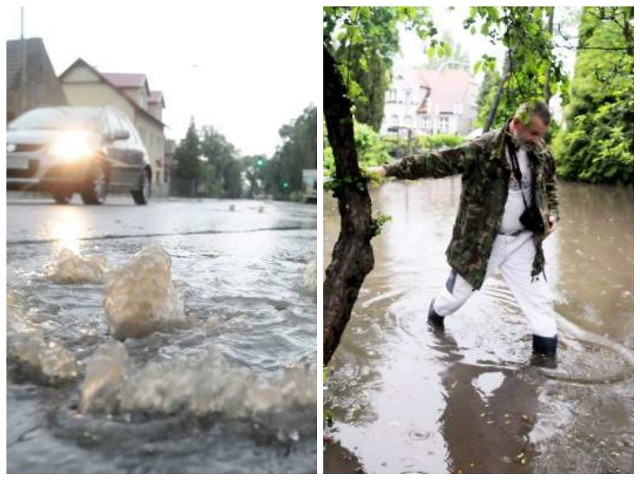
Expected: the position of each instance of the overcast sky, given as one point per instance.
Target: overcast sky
(245, 70)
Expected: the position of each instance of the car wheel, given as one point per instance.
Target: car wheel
(62, 197)
(142, 195)
(94, 191)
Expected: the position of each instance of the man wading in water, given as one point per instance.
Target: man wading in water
(508, 206)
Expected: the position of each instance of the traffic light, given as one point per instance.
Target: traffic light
(260, 162)
(285, 184)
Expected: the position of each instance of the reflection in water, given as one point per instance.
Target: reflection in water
(405, 400)
(66, 226)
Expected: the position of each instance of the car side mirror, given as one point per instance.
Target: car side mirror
(121, 134)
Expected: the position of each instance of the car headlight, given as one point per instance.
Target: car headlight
(71, 147)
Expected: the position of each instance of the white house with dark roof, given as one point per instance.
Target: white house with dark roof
(130, 93)
(430, 101)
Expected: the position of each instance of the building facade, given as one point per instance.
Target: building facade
(430, 101)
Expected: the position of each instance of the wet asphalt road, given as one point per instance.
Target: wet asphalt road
(231, 392)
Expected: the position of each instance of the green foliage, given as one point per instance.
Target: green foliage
(187, 155)
(363, 41)
(530, 63)
(379, 222)
(397, 146)
(597, 145)
(224, 171)
(283, 174)
(372, 150)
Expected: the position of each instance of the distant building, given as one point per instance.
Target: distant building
(31, 79)
(130, 93)
(430, 101)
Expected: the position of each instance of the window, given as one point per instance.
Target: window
(407, 121)
(407, 95)
(443, 124)
(392, 95)
(395, 120)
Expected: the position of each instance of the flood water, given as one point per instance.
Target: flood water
(222, 378)
(405, 399)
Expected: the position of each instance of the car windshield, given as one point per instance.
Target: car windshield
(58, 119)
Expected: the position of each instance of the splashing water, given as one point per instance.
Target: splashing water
(310, 275)
(141, 298)
(67, 266)
(30, 354)
(204, 384)
(105, 372)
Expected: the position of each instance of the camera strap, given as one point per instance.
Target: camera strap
(515, 167)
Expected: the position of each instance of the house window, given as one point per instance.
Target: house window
(395, 120)
(392, 95)
(426, 123)
(407, 121)
(443, 124)
(407, 95)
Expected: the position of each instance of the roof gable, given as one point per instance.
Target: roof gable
(80, 63)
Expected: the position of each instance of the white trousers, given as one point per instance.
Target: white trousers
(513, 256)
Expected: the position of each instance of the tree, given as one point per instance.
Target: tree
(352, 256)
(221, 156)
(187, 155)
(253, 167)
(364, 53)
(597, 145)
(530, 68)
(452, 53)
(283, 175)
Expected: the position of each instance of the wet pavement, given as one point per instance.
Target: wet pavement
(406, 399)
(222, 380)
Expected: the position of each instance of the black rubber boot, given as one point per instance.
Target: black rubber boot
(435, 320)
(544, 351)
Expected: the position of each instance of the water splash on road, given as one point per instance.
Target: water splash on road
(141, 298)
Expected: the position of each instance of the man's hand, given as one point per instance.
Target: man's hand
(377, 170)
(553, 223)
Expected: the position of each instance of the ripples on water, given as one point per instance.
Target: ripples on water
(218, 344)
(472, 388)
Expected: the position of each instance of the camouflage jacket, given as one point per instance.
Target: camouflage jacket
(485, 170)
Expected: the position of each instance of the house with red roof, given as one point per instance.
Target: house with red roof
(430, 101)
(84, 85)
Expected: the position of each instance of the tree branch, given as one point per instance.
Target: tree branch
(352, 257)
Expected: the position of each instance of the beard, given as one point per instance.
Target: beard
(523, 144)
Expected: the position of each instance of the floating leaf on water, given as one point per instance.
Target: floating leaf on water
(525, 417)
(520, 456)
(615, 454)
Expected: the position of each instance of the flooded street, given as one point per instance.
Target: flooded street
(213, 369)
(405, 399)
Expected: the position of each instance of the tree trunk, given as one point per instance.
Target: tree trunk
(496, 100)
(547, 82)
(352, 257)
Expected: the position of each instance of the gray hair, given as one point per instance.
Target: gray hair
(533, 108)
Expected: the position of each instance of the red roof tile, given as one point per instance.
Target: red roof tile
(126, 80)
